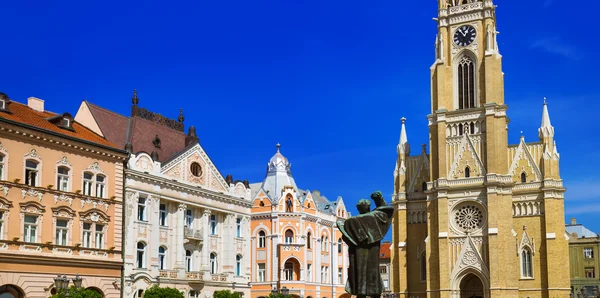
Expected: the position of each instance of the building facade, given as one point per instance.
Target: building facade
(385, 266)
(295, 242)
(584, 247)
(476, 217)
(61, 189)
(187, 226)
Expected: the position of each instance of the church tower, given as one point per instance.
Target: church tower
(476, 217)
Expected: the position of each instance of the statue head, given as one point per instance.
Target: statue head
(363, 206)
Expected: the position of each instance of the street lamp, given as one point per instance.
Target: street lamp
(274, 291)
(62, 283)
(285, 291)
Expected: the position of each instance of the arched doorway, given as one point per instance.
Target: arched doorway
(291, 270)
(96, 290)
(471, 287)
(11, 291)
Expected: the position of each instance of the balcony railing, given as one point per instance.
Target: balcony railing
(174, 275)
(193, 234)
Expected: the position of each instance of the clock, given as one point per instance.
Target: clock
(464, 35)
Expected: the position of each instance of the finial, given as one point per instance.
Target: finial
(403, 120)
(545, 101)
(522, 136)
(278, 146)
(134, 99)
(180, 118)
(524, 228)
(424, 148)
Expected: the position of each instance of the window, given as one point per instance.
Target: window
(162, 258)
(424, 186)
(472, 126)
(87, 235)
(382, 269)
(526, 264)
(189, 217)
(100, 186)
(31, 173)
(188, 260)
(261, 272)
(213, 224)
(99, 236)
(322, 243)
(162, 219)
(467, 172)
(2, 167)
(309, 272)
(1, 224)
(324, 271)
(589, 272)
(339, 245)
(261, 239)
(423, 267)
(140, 293)
(87, 183)
(238, 265)
(289, 237)
(466, 83)
(340, 279)
(30, 228)
(2, 104)
(325, 244)
(62, 179)
(460, 129)
(62, 230)
(238, 227)
(194, 294)
(141, 209)
(288, 271)
(523, 177)
(588, 253)
(141, 255)
(213, 263)
(309, 240)
(196, 169)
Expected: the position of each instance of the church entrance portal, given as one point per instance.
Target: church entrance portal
(471, 287)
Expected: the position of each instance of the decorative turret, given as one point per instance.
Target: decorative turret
(191, 137)
(551, 156)
(546, 130)
(403, 146)
(279, 163)
(403, 150)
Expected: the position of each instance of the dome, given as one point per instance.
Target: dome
(279, 162)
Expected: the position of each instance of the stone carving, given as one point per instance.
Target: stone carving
(33, 154)
(95, 167)
(63, 198)
(5, 189)
(174, 172)
(32, 193)
(468, 217)
(64, 161)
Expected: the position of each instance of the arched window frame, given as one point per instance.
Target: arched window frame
(289, 236)
(97, 184)
(63, 181)
(467, 172)
(309, 240)
(526, 255)
(162, 258)
(523, 177)
(423, 267)
(262, 239)
(213, 263)
(339, 245)
(33, 172)
(469, 102)
(62, 234)
(3, 164)
(238, 265)
(140, 260)
(189, 260)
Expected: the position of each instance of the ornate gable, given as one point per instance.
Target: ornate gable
(526, 242)
(466, 156)
(523, 162)
(94, 215)
(469, 259)
(194, 166)
(420, 173)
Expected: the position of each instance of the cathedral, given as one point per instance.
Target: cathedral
(476, 217)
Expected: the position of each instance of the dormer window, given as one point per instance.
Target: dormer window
(4, 101)
(63, 121)
(67, 122)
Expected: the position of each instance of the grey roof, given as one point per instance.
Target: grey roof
(582, 232)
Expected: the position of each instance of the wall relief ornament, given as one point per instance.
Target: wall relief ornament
(469, 259)
(95, 204)
(5, 189)
(95, 167)
(32, 207)
(32, 193)
(94, 215)
(33, 154)
(64, 161)
(63, 198)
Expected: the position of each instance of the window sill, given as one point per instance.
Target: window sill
(527, 278)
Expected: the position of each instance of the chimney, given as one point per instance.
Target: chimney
(573, 221)
(36, 104)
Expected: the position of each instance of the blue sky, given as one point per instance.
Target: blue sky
(329, 80)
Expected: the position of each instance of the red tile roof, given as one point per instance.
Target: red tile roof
(23, 114)
(384, 250)
(140, 132)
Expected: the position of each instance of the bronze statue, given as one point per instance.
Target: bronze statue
(363, 234)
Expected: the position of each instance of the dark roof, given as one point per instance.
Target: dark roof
(23, 114)
(140, 132)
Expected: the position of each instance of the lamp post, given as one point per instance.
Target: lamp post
(274, 291)
(62, 283)
(285, 291)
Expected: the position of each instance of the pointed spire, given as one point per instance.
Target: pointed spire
(278, 146)
(403, 146)
(134, 99)
(180, 118)
(546, 129)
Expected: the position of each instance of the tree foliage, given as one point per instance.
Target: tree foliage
(78, 293)
(158, 292)
(226, 294)
(278, 295)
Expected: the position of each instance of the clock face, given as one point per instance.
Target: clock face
(464, 35)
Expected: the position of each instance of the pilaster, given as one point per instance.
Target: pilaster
(205, 254)
(179, 249)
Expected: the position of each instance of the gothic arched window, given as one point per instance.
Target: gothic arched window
(289, 237)
(423, 267)
(523, 177)
(467, 172)
(466, 82)
(526, 263)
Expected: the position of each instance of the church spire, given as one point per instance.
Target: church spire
(403, 147)
(546, 130)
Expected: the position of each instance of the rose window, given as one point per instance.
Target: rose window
(468, 218)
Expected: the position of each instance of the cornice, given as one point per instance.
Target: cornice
(179, 186)
(59, 140)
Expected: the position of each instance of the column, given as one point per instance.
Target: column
(205, 225)
(179, 249)
(317, 256)
(153, 233)
(228, 244)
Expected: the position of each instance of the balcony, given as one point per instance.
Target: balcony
(190, 277)
(192, 234)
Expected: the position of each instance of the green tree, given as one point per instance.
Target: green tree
(226, 294)
(78, 293)
(158, 292)
(278, 295)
